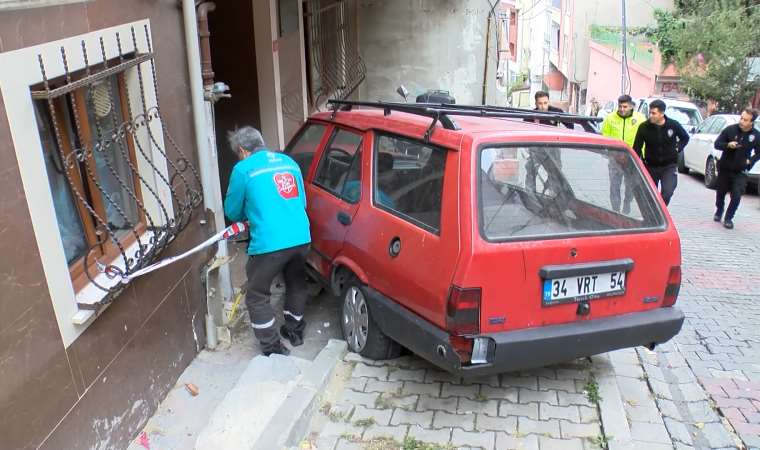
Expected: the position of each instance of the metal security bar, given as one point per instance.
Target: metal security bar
(337, 68)
(133, 195)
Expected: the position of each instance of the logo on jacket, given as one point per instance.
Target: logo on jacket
(670, 132)
(633, 121)
(752, 138)
(286, 185)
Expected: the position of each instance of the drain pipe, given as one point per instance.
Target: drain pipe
(207, 160)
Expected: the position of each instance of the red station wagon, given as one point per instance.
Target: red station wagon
(482, 242)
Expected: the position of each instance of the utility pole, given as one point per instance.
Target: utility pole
(624, 57)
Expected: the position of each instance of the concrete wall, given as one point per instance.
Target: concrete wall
(604, 76)
(426, 44)
(97, 391)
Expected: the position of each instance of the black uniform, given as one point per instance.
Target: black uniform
(734, 165)
(663, 142)
(552, 109)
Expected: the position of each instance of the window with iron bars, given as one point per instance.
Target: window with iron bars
(120, 198)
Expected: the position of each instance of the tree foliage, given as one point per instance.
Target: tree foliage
(712, 42)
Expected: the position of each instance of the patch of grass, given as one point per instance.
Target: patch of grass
(325, 408)
(592, 391)
(336, 416)
(364, 423)
(601, 441)
(480, 397)
(381, 402)
(411, 443)
(351, 437)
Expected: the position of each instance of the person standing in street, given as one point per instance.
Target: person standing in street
(657, 142)
(266, 188)
(542, 105)
(621, 125)
(739, 144)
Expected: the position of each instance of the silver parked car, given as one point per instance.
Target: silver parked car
(700, 155)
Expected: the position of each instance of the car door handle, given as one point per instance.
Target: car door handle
(344, 218)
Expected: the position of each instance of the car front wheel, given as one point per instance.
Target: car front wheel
(360, 330)
(711, 173)
(682, 163)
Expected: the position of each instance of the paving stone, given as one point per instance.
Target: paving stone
(363, 370)
(567, 384)
(702, 412)
(344, 444)
(683, 375)
(634, 391)
(358, 398)
(529, 395)
(669, 409)
(516, 409)
(573, 399)
(678, 431)
(442, 436)
(441, 376)
(490, 407)
(499, 393)
(389, 401)
(752, 441)
(340, 412)
(401, 416)
(431, 389)
(519, 382)
(460, 390)
(398, 433)
(491, 380)
(507, 442)
(588, 414)
(546, 372)
(692, 392)
(407, 375)
(547, 443)
(427, 403)
(378, 416)
(675, 360)
(506, 424)
(390, 387)
(357, 384)
(444, 419)
(650, 432)
(544, 427)
(579, 430)
(575, 374)
(483, 439)
(624, 356)
(717, 436)
(341, 429)
(570, 413)
(326, 442)
(628, 370)
(648, 413)
(661, 389)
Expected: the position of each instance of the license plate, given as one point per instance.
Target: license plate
(582, 288)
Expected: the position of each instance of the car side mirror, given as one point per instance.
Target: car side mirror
(402, 91)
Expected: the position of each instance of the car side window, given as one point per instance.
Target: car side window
(408, 180)
(340, 166)
(704, 127)
(303, 147)
(645, 109)
(717, 126)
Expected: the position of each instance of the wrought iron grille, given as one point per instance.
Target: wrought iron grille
(337, 68)
(113, 155)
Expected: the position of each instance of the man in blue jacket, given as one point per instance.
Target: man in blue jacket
(266, 189)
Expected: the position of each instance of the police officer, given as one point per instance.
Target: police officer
(266, 188)
(663, 138)
(622, 125)
(739, 143)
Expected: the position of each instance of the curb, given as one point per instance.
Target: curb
(291, 420)
(611, 410)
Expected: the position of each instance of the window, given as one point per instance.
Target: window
(94, 160)
(717, 126)
(556, 191)
(302, 148)
(704, 127)
(408, 180)
(340, 166)
(684, 116)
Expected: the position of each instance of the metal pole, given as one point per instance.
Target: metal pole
(624, 56)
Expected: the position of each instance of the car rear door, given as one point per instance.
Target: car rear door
(406, 236)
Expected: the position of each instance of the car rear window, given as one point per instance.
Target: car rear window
(684, 116)
(557, 191)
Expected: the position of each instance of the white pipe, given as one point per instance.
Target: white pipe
(207, 160)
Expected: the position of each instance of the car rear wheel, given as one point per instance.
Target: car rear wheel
(711, 173)
(360, 330)
(682, 163)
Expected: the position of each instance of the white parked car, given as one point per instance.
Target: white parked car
(700, 155)
(686, 113)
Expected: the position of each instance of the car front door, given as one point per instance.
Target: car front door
(695, 151)
(407, 238)
(333, 195)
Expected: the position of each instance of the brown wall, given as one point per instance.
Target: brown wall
(102, 389)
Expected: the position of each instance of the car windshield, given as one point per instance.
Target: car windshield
(684, 116)
(559, 191)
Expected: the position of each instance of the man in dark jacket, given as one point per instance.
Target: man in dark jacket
(658, 141)
(739, 143)
(542, 104)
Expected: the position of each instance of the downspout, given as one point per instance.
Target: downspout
(207, 161)
(488, 49)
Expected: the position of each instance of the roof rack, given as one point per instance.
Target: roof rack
(441, 112)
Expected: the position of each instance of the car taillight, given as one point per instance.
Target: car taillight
(463, 311)
(674, 286)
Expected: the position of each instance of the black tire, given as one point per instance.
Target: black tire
(313, 287)
(359, 329)
(711, 173)
(682, 163)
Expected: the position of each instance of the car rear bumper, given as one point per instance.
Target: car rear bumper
(527, 348)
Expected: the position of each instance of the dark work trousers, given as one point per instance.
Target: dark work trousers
(733, 183)
(665, 179)
(261, 270)
(617, 176)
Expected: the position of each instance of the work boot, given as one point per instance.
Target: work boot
(293, 331)
(718, 216)
(277, 348)
(728, 224)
